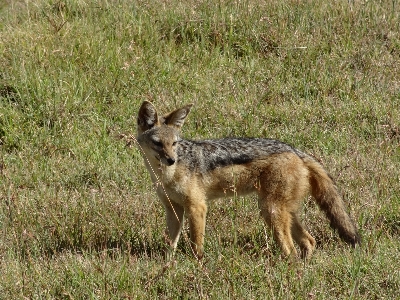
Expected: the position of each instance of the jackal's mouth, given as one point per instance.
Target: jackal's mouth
(165, 161)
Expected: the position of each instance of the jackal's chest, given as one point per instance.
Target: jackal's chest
(168, 176)
(160, 173)
(179, 184)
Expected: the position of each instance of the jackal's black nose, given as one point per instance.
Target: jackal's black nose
(170, 161)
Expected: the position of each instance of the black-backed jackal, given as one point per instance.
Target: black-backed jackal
(189, 173)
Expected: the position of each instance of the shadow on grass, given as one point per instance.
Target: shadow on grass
(25, 249)
(9, 93)
(114, 248)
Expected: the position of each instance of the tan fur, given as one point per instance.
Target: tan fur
(281, 177)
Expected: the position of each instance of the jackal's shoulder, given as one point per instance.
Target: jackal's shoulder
(206, 155)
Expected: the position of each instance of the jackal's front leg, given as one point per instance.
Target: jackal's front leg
(174, 215)
(196, 214)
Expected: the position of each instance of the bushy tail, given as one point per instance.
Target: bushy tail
(327, 196)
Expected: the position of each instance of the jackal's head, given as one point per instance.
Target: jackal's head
(158, 136)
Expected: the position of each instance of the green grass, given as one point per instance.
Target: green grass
(79, 218)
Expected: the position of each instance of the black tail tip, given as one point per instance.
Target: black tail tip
(354, 240)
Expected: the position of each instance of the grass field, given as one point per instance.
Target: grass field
(79, 218)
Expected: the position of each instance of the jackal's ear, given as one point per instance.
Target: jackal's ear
(147, 116)
(177, 117)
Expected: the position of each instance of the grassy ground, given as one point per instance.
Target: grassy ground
(78, 216)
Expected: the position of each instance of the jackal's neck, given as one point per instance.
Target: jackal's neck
(159, 171)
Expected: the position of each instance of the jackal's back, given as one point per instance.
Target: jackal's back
(207, 155)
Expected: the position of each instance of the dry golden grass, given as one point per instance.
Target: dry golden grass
(78, 215)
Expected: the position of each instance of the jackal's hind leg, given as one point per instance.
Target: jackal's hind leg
(279, 220)
(305, 241)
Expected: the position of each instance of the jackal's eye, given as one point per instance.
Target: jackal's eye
(176, 142)
(157, 143)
